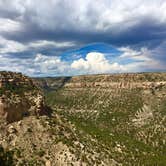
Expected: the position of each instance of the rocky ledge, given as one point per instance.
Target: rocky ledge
(19, 97)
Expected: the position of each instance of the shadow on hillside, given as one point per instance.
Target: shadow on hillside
(47, 110)
(65, 80)
(48, 84)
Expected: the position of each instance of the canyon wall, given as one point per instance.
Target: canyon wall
(122, 81)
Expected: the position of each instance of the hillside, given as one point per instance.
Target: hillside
(20, 99)
(122, 117)
(114, 120)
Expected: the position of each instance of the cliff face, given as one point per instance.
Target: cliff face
(123, 81)
(120, 81)
(51, 83)
(19, 97)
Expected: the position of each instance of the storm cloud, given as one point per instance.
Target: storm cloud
(53, 27)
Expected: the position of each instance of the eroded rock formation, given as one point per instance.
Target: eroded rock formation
(19, 97)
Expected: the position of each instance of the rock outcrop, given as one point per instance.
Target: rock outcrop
(122, 81)
(19, 97)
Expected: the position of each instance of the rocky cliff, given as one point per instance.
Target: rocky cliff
(119, 81)
(51, 83)
(19, 97)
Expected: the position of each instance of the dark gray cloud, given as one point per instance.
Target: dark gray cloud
(86, 21)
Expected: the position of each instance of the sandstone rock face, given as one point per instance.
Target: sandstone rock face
(51, 83)
(122, 81)
(118, 81)
(19, 97)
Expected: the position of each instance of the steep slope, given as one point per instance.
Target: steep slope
(51, 83)
(19, 97)
(27, 138)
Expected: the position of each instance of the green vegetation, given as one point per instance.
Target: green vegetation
(15, 89)
(107, 116)
(96, 123)
(6, 157)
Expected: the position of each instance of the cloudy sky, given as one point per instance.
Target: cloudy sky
(71, 37)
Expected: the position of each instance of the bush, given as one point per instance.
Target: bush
(6, 157)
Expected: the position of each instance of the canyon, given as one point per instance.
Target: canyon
(109, 119)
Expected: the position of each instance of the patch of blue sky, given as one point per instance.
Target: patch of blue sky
(109, 51)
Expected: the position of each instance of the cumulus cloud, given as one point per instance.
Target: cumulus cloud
(135, 61)
(95, 62)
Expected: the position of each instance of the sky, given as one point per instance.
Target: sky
(75, 37)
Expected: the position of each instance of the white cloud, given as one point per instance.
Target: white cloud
(11, 46)
(128, 52)
(95, 62)
(39, 65)
(136, 61)
(8, 25)
(45, 43)
(143, 54)
(50, 64)
(142, 60)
